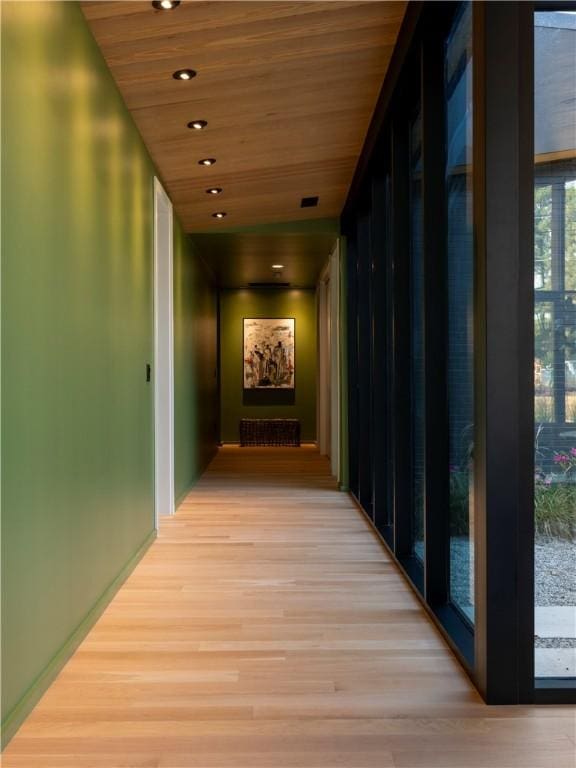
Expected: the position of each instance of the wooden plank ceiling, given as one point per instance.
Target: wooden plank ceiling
(287, 88)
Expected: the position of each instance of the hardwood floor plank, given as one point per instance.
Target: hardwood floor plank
(267, 627)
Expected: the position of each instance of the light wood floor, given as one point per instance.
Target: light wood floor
(268, 628)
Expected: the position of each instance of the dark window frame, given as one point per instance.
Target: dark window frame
(503, 183)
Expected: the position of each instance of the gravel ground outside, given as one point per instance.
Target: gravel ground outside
(461, 572)
(555, 567)
(555, 642)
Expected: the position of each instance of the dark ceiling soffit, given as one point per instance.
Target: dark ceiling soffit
(218, 251)
(208, 268)
(401, 49)
(299, 227)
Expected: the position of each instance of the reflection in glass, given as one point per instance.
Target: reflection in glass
(417, 392)
(543, 237)
(555, 345)
(543, 362)
(570, 232)
(460, 255)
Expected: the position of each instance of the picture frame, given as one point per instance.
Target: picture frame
(269, 353)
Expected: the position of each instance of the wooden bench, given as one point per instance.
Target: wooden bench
(263, 432)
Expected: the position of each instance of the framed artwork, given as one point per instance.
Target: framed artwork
(269, 353)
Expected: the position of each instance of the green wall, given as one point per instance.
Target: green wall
(195, 363)
(77, 332)
(245, 302)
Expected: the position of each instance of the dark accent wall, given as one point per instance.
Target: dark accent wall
(236, 403)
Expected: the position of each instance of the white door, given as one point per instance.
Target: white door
(163, 355)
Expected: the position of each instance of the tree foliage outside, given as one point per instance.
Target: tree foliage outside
(554, 315)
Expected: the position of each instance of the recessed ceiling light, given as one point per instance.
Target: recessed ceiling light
(165, 5)
(207, 161)
(184, 74)
(277, 266)
(214, 191)
(219, 214)
(197, 125)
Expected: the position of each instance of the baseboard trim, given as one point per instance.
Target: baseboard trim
(32, 696)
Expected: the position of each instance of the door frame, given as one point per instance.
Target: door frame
(163, 355)
(324, 364)
(328, 379)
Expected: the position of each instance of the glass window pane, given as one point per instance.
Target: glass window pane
(555, 345)
(569, 321)
(543, 362)
(570, 233)
(543, 237)
(460, 254)
(417, 336)
(383, 351)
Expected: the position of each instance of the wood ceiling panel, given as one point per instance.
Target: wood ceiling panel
(288, 90)
(276, 194)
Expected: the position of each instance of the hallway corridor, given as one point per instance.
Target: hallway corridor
(268, 627)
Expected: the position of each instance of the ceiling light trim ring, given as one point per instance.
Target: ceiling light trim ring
(184, 74)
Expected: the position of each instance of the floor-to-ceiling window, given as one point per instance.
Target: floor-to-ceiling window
(447, 461)
(555, 346)
(393, 375)
(381, 229)
(365, 364)
(460, 277)
(417, 331)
